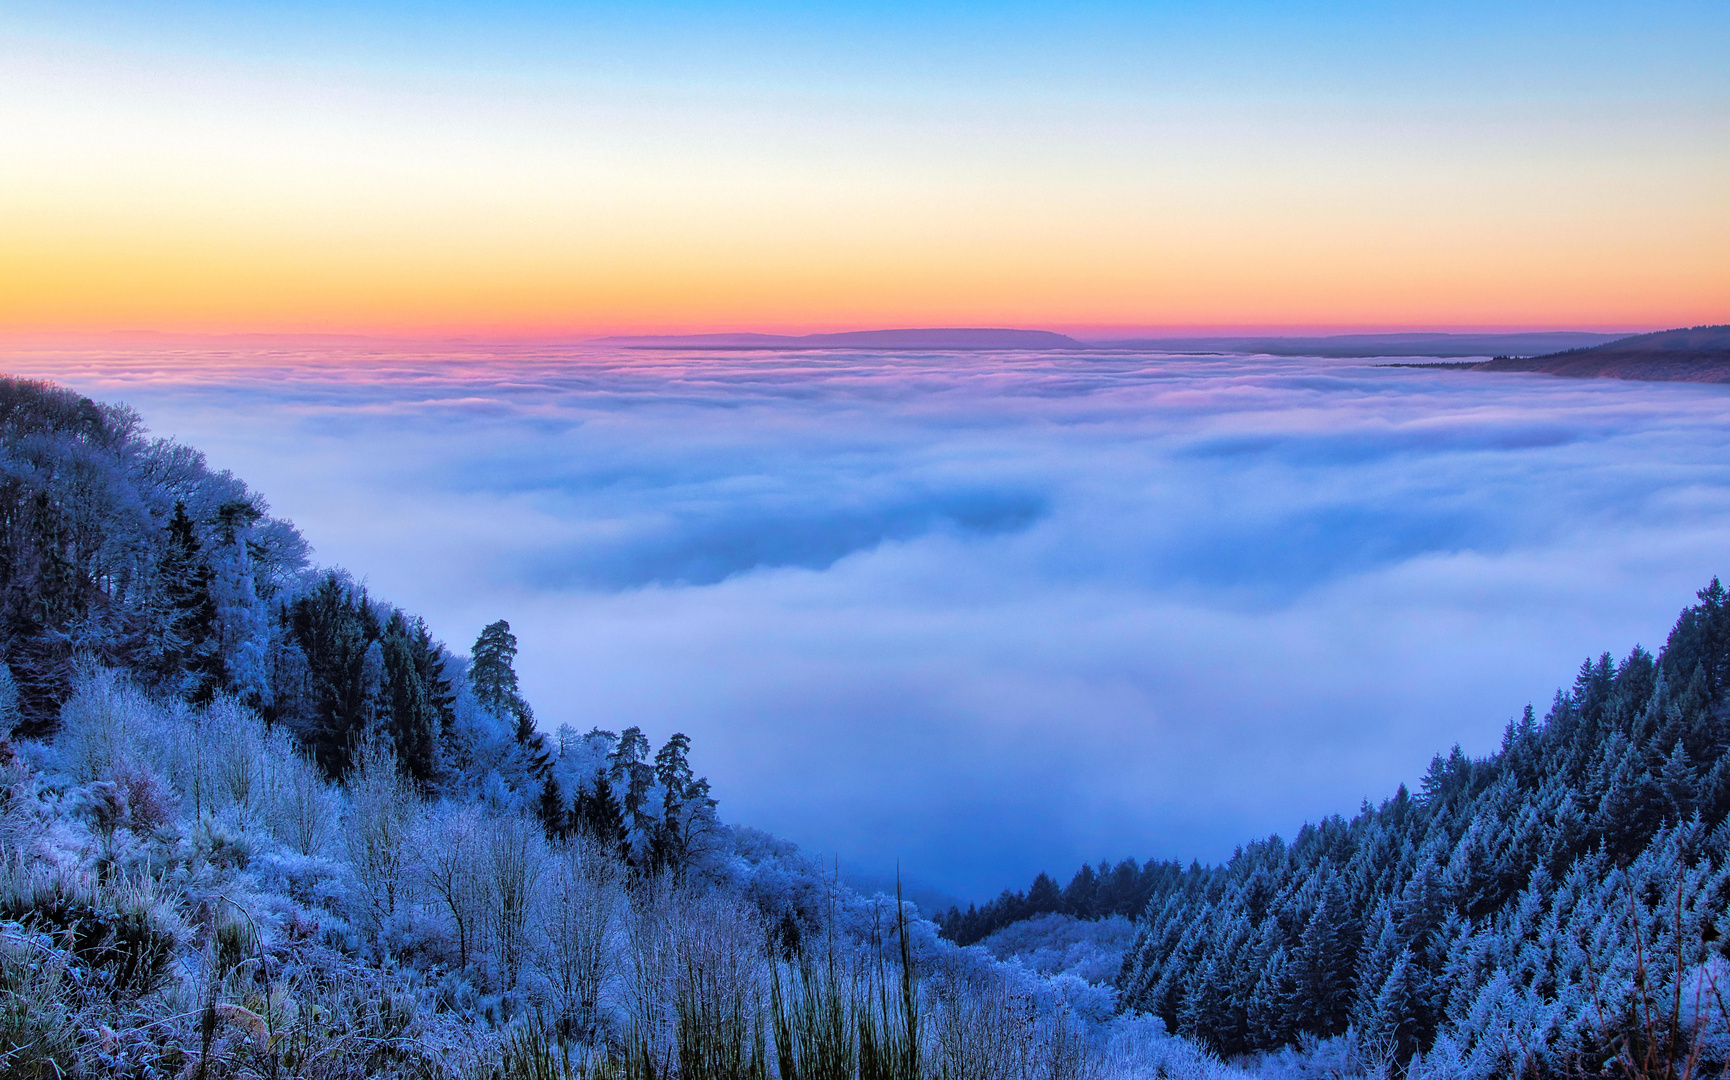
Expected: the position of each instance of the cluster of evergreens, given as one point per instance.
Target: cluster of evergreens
(1498, 909)
(1125, 889)
(129, 552)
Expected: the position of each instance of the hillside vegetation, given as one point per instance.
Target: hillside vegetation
(1528, 913)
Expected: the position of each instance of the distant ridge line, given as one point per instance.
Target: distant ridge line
(1410, 343)
(953, 338)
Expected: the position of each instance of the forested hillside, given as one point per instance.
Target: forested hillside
(125, 552)
(1526, 913)
(1125, 889)
(1521, 914)
(1692, 354)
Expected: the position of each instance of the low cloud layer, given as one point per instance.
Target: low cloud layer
(989, 614)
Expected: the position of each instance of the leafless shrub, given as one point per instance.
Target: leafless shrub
(1676, 1009)
(303, 811)
(103, 724)
(580, 903)
(512, 859)
(381, 810)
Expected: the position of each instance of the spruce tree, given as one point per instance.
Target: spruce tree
(495, 679)
(1043, 897)
(413, 720)
(190, 659)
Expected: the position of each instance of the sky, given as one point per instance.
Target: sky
(525, 170)
(987, 614)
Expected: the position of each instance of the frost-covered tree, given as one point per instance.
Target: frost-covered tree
(1487, 911)
(378, 830)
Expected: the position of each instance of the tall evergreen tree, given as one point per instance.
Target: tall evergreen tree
(494, 678)
(189, 655)
(334, 627)
(414, 719)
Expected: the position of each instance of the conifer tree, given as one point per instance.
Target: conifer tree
(189, 654)
(413, 720)
(1043, 896)
(495, 679)
(687, 809)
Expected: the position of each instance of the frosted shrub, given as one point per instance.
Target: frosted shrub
(303, 811)
(721, 976)
(212, 755)
(513, 856)
(982, 1030)
(234, 751)
(380, 814)
(450, 870)
(580, 899)
(1139, 1046)
(1054, 944)
(103, 725)
(652, 918)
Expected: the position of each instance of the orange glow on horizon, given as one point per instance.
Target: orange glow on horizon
(144, 197)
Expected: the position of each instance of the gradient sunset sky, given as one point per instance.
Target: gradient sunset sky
(535, 169)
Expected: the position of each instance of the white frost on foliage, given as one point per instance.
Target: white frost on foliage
(1058, 944)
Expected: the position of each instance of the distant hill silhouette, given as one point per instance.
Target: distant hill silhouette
(947, 338)
(1351, 346)
(1695, 354)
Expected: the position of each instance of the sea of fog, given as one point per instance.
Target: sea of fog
(986, 614)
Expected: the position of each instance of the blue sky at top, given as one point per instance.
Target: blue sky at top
(1476, 51)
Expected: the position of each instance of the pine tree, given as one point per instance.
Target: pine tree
(632, 779)
(555, 816)
(334, 627)
(495, 679)
(1322, 967)
(1701, 639)
(413, 721)
(1043, 897)
(596, 812)
(1268, 1007)
(1080, 897)
(1401, 1008)
(190, 658)
(687, 809)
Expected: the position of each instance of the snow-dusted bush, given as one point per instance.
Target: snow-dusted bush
(580, 903)
(512, 858)
(449, 840)
(376, 833)
(1137, 1046)
(106, 725)
(1056, 944)
(303, 811)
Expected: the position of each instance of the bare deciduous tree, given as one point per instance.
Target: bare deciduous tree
(381, 811)
(448, 867)
(513, 858)
(581, 897)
